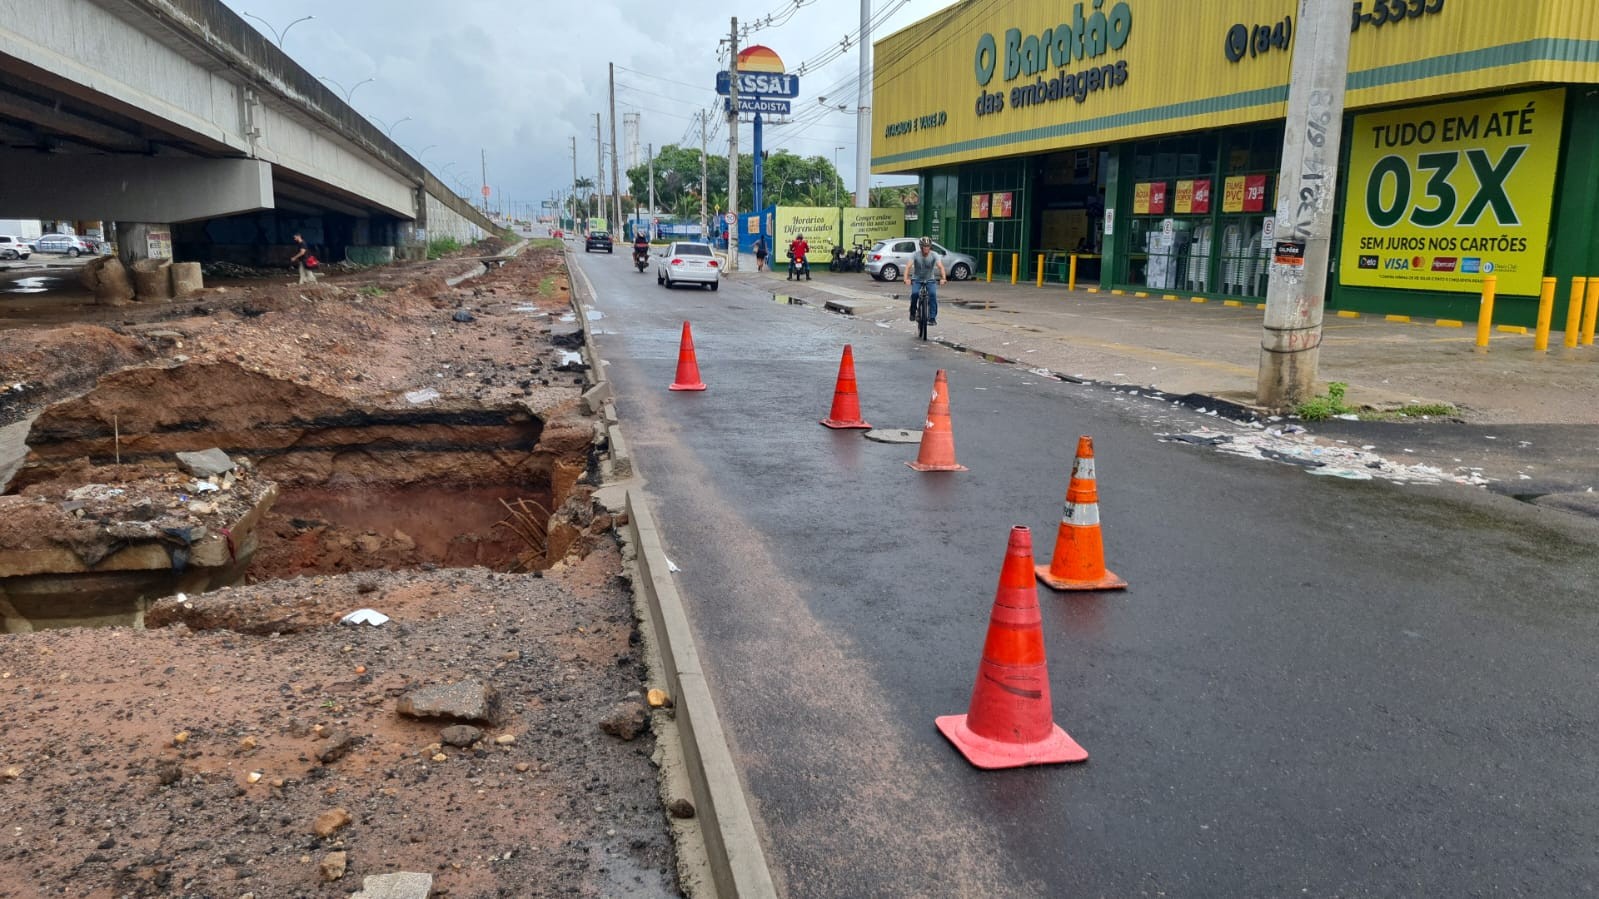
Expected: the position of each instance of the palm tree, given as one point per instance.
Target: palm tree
(583, 190)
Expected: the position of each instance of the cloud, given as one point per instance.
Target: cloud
(516, 80)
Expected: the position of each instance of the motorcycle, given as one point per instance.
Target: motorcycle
(840, 261)
(641, 258)
(855, 260)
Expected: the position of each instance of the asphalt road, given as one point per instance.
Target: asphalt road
(1313, 687)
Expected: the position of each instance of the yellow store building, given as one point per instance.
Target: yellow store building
(1145, 136)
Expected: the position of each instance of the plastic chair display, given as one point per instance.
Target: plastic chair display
(1199, 260)
(1232, 245)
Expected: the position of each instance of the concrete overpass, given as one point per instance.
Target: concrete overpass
(177, 115)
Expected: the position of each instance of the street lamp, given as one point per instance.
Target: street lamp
(423, 155)
(838, 183)
(276, 34)
(348, 93)
(387, 128)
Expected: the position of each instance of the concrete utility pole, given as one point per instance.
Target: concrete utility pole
(732, 143)
(485, 153)
(863, 116)
(599, 163)
(650, 223)
(705, 175)
(616, 178)
(574, 182)
(1290, 346)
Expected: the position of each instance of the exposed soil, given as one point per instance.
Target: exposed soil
(409, 430)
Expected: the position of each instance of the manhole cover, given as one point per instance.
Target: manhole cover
(894, 435)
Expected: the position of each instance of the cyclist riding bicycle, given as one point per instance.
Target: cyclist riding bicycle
(920, 276)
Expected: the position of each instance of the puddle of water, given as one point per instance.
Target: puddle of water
(29, 285)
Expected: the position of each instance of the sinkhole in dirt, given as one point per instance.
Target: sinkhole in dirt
(321, 488)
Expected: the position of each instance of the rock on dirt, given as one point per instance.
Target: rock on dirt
(330, 822)
(333, 866)
(395, 886)
(462, 735)
(627, 720)
(467, 700)
(206, 463)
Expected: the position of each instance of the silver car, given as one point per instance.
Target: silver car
(888, 259)
(62, 243)
(688, 262)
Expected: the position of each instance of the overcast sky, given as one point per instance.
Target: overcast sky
(519, 79)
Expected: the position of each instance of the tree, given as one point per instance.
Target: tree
(583, 191)
(789, 180)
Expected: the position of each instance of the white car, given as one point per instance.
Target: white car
(687, 262)
(888, 259)
(13, 247)
(63, 243)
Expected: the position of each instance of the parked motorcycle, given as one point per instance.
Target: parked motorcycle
(840, 261)
(855, 260)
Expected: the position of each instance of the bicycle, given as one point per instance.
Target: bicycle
(919, 304)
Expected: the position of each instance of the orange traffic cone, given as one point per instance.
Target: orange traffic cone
(1079, 560)
(938, 438)
(1011, 719)
(688, 367)
(846, 404)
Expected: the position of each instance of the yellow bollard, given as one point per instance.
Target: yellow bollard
(1040, 269)
(1015, 266)
(1574, 311)
(1546, 309)
(1071, 281)
(1485, 312)
(1590, 313)
(989, 276)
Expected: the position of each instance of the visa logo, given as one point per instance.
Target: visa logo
(1396, 265)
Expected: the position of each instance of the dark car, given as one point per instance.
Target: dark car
(598, 240)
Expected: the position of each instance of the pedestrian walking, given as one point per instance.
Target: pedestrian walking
(304, 261)
(760, 254)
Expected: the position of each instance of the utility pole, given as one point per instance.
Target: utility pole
(1290, 345)
(485, 153)
(732, 143)
(599, 162)
(863, 116)
(574, 182)
(705, 175)
(650, 224)
(616, 178)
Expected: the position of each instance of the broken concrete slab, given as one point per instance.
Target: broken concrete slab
(206, 463)
(468, 700)
(402, 885)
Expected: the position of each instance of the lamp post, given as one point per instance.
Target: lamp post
(350, 92)
(276, 34)
(838, 183)
(396, 125)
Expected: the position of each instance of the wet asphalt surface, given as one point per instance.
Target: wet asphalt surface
(1313, 687)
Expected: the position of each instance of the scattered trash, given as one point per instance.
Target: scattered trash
(1196, 439)
(1348, 416)
(204, 487)
(463, 316)
(365, 616)
(425, 395)
(671, 566)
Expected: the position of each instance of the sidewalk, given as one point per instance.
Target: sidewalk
(1182, 347)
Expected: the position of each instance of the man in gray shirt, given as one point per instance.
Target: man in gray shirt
(925, 264)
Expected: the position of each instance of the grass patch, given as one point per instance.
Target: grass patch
(1413, 411)
(1327, 405)
(545, 243)
(439, 247)
(547, 285)
(371, 290)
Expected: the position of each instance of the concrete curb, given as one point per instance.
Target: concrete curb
(732, 847)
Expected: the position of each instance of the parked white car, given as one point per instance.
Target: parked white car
(686, 262)
(13, 247)
(888, 259)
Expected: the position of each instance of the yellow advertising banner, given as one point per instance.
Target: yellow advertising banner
(819, 224)
(1185, 198)
(1141, 198)
(1232, 194)
(867, 226)
(1439, 196)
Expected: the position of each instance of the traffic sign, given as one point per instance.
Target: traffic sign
(730, 218)
(485, 191)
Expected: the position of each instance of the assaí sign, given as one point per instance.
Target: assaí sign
(1086, 38)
